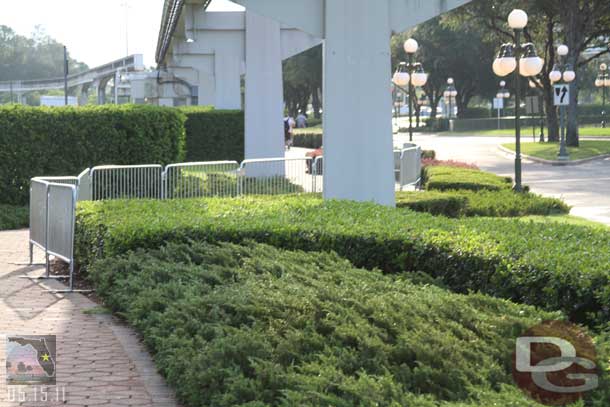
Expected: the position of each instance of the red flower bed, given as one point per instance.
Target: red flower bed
(448, 163)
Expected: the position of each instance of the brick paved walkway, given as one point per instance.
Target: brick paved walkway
(100, 362)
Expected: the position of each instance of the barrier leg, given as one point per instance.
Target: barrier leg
(31, 253)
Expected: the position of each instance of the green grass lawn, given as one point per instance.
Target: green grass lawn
(549, 151)
(527, 132)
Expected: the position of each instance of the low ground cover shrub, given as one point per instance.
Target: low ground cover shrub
(444, 178)
(14, 217)
(253, 325)
(503, 203)
(42, 141)
(555, 266)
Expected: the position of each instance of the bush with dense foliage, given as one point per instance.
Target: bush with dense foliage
(14, 217)
(253, 325)
(39, 141)
(532, 263)
(503, 203)
(308, 138)
(214, 135)
(444, 178)
(475, 113)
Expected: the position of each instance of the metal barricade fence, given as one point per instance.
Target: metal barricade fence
(61, 216)
(52, 218)
(84, 186)
(38, 215)
(38, 209)
(199, 180)
(126, 182)
(317, 172)
(275, 176)
(410, 167)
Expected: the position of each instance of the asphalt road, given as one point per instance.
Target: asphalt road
(586, 187)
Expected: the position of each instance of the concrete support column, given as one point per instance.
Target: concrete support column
(227, 69)
(83, 95)
(358, 156)
(264, 88)
(100, 90)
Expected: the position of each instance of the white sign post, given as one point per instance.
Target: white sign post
(562, 95)
(499, 105)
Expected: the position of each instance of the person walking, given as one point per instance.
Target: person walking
(301, 121)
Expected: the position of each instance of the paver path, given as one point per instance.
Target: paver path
(100, 362)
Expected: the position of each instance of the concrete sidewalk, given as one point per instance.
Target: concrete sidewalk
(100, 362)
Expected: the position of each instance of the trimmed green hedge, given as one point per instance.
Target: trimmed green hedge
(307, 140)
(14, 217)
(532, 263)
(311, 137)
(504, 203)
(39, 141)
(214, 135)
(256, 326)
(476, 113)
(452, 205)
(444, 178)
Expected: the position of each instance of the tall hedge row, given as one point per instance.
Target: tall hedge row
(37, 141)
(213, 135)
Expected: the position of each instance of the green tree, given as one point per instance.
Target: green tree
(447, 51)
(303, 81)
(38, 57)
(583, 25)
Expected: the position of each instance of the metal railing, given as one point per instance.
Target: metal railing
(126, 182)
(410, 167)
(317, 172)
(275, 176)
(201, 180)
(52, 220)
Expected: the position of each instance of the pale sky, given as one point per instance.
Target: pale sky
(94, 30)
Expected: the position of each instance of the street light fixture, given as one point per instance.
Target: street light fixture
(450, 94)
(603, 81)
(410, 74)
(523, 60)
(565, 72)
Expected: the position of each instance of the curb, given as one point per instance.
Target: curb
(556, 163)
